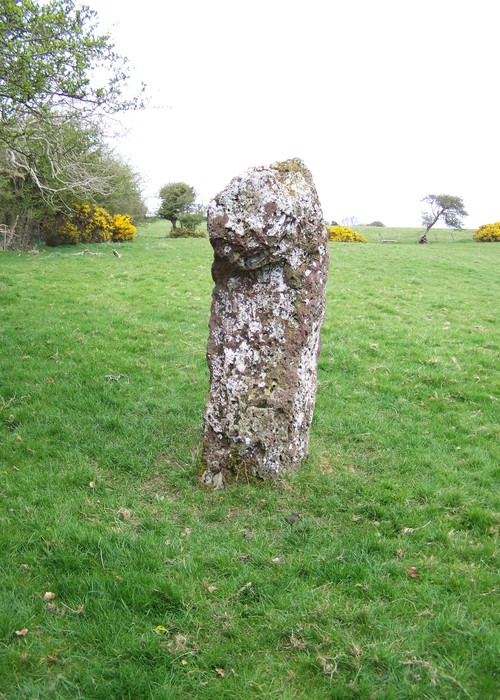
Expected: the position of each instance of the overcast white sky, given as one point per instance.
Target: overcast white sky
(386, 101)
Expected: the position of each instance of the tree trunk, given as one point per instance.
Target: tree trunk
(423, 237)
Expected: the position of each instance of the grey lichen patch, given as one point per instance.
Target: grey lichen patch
(270, 268)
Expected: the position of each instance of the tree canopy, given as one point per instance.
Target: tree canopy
(58, 79)
(446, 207)
(50, 54)
(177, 198)
(124, 192)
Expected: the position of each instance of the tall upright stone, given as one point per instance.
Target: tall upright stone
(270, 270)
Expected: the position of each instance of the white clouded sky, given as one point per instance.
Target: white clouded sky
(386, 101)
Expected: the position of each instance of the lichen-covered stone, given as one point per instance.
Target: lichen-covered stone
(270, 269)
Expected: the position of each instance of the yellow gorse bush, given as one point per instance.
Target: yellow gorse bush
(91, 224)
(123, 228)
(488, 233)
(94, 223)
(343, 234)
(70, 233)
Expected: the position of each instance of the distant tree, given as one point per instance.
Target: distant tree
(124, 194)
(191, 220)
(350, 221)
(445, 207)
(377, 223)
(42, 177)
(58, 78)
(47, 178)
(177, 198)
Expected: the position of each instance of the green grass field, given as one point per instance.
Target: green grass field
(369, 573)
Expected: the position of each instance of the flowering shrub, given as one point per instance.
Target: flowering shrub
(64, 232)
(95, 223)
(123, 228)
(69, 233)
(488, 233)
(91, 224)
(342, 234)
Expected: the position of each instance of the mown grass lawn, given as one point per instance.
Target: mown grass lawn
(369, 573)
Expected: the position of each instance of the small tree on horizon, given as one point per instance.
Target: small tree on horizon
(177, 198)
(350, 221)
(449, 209)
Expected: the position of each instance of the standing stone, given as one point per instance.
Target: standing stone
(270, 270)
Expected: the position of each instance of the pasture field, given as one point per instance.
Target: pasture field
(368, 573)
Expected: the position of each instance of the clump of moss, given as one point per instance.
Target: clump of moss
(234, 471)
(293, 165)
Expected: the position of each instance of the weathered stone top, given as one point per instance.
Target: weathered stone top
(266, 215)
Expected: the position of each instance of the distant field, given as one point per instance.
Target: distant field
(411, 235)
(384, 585)
(374, 233)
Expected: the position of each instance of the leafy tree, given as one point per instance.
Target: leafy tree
(48, 55)
(63, 159)
(124, 195)
(58, 80)
(445, 207)
(48, 179)
(350, 221)
(177, 198)
(191, 220)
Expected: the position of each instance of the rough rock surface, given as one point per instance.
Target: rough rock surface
(270, 270)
